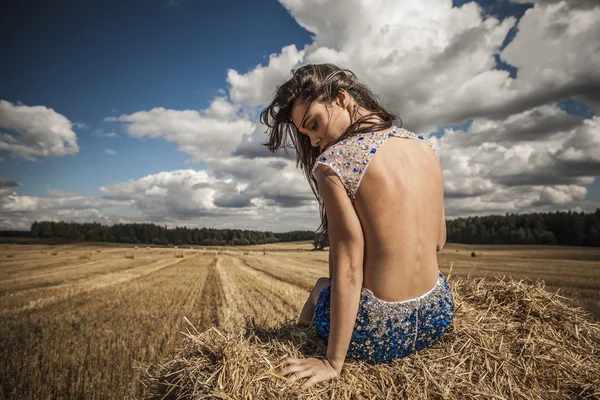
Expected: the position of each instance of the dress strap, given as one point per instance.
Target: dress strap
(403, 133)
(350, 157)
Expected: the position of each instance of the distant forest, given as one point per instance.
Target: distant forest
(560, 228)
(161, 235)
(557, 228)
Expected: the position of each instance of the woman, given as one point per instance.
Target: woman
(385, 296)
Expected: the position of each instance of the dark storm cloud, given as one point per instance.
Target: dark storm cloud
(534, 125)
(536, 178)
(579, 4)
(232, 200)
(560, 172)
(8, 183)
(587, 88)
(252, 146)
(287, 201)
(462, 45)
(466, 193)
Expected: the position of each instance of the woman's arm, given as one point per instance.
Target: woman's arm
(346, 285)
(346, 254)
(330, 262)
(442, 235)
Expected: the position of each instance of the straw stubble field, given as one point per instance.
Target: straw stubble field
(77, 319)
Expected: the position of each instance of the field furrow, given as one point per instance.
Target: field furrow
(277, 269)
(73, 268)
(76, 328)
(39, 298)
(212, 297)
(236, 299)
(96, 337)
(257, 294)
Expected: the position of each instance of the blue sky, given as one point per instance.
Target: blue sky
(108, 58)
(88, 61)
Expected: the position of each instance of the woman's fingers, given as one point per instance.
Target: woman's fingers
(302, 374)
(312, 381)
(293, 365)
(292, 369)
(291, 360)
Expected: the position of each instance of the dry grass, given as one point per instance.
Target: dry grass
(508, 339)
(73, 328)
(80, 340)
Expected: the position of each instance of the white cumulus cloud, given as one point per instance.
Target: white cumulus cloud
(40, 131)
(431, 63)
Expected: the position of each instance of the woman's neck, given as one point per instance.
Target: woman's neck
(370, 118)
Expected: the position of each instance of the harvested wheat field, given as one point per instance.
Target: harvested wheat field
(509, 339)
(98, 322)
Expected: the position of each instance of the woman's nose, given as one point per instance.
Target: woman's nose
(315, 141)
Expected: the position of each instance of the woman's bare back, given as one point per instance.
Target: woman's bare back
(399, 203)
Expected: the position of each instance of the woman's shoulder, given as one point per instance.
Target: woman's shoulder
(349, 157)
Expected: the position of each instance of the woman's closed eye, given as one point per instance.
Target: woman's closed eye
(312, 128)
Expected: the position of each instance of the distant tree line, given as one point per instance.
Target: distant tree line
(558, 228)
(15, 233)
(158, 235)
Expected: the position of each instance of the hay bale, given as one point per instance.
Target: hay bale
(508, 339)
(179, 254)
(130, 255)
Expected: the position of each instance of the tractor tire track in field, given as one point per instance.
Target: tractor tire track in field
(276, 299)
(239, 304)
(262, 291)
(95, 282)
(83, 271)
(277, 277)
(212, 296)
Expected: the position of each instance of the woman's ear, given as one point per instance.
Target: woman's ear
(342, 99)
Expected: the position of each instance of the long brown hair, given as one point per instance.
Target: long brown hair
(320, 82)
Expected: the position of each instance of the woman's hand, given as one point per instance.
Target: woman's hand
(315, 369)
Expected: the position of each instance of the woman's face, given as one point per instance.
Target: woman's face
(322, 124)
